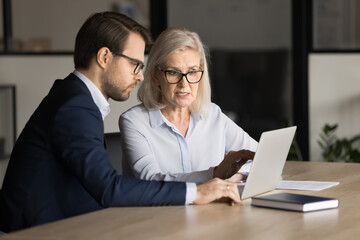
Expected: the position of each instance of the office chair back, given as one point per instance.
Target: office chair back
(113, 147)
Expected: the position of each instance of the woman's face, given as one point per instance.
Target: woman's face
(182, 94)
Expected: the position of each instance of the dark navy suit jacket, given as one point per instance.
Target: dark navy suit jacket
(59, 166)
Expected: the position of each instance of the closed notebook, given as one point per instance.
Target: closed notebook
(295, 202)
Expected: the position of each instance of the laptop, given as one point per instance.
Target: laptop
(268, 163)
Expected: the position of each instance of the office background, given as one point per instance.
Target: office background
(250, 36)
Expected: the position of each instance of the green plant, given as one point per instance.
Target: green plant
(335, 149)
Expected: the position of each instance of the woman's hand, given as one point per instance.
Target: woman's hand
(232, 163)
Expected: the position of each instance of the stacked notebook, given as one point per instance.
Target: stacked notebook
(295, 202)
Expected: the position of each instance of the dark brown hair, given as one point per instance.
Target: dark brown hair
(105, 29)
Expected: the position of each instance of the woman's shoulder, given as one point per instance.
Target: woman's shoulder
(214, 106)
(135, 111)
(214, 110)
(217, 114)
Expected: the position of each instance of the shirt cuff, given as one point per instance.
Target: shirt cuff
(191, 191)
(245, 169)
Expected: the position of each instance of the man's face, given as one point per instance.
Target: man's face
(119, 79)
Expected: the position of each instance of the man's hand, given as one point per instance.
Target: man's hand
(216, 189)
(232, 163)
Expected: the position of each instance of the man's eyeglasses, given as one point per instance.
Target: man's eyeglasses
(138, 64)
(174, 77)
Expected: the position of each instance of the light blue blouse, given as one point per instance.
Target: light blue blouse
(154, 149)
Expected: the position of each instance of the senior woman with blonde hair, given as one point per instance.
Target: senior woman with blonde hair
(177, 134)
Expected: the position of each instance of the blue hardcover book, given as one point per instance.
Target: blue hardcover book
(295, 202)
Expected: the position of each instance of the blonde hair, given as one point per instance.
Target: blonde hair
(168, 42)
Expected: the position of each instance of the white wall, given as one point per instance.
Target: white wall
(33, 77)
(334, 96)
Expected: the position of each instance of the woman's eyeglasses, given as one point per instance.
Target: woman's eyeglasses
(174, 77)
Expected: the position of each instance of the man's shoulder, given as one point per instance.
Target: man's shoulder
(68, 88)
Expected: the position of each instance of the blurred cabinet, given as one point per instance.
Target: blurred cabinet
(252, 87)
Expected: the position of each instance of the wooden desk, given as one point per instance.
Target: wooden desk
(221, 221)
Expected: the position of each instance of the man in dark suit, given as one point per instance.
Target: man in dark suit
(59, 166)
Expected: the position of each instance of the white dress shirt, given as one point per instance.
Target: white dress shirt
(96, 95)
(156, 150)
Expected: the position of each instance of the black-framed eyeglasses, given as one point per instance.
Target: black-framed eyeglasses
(174, 77)
(138, 64)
